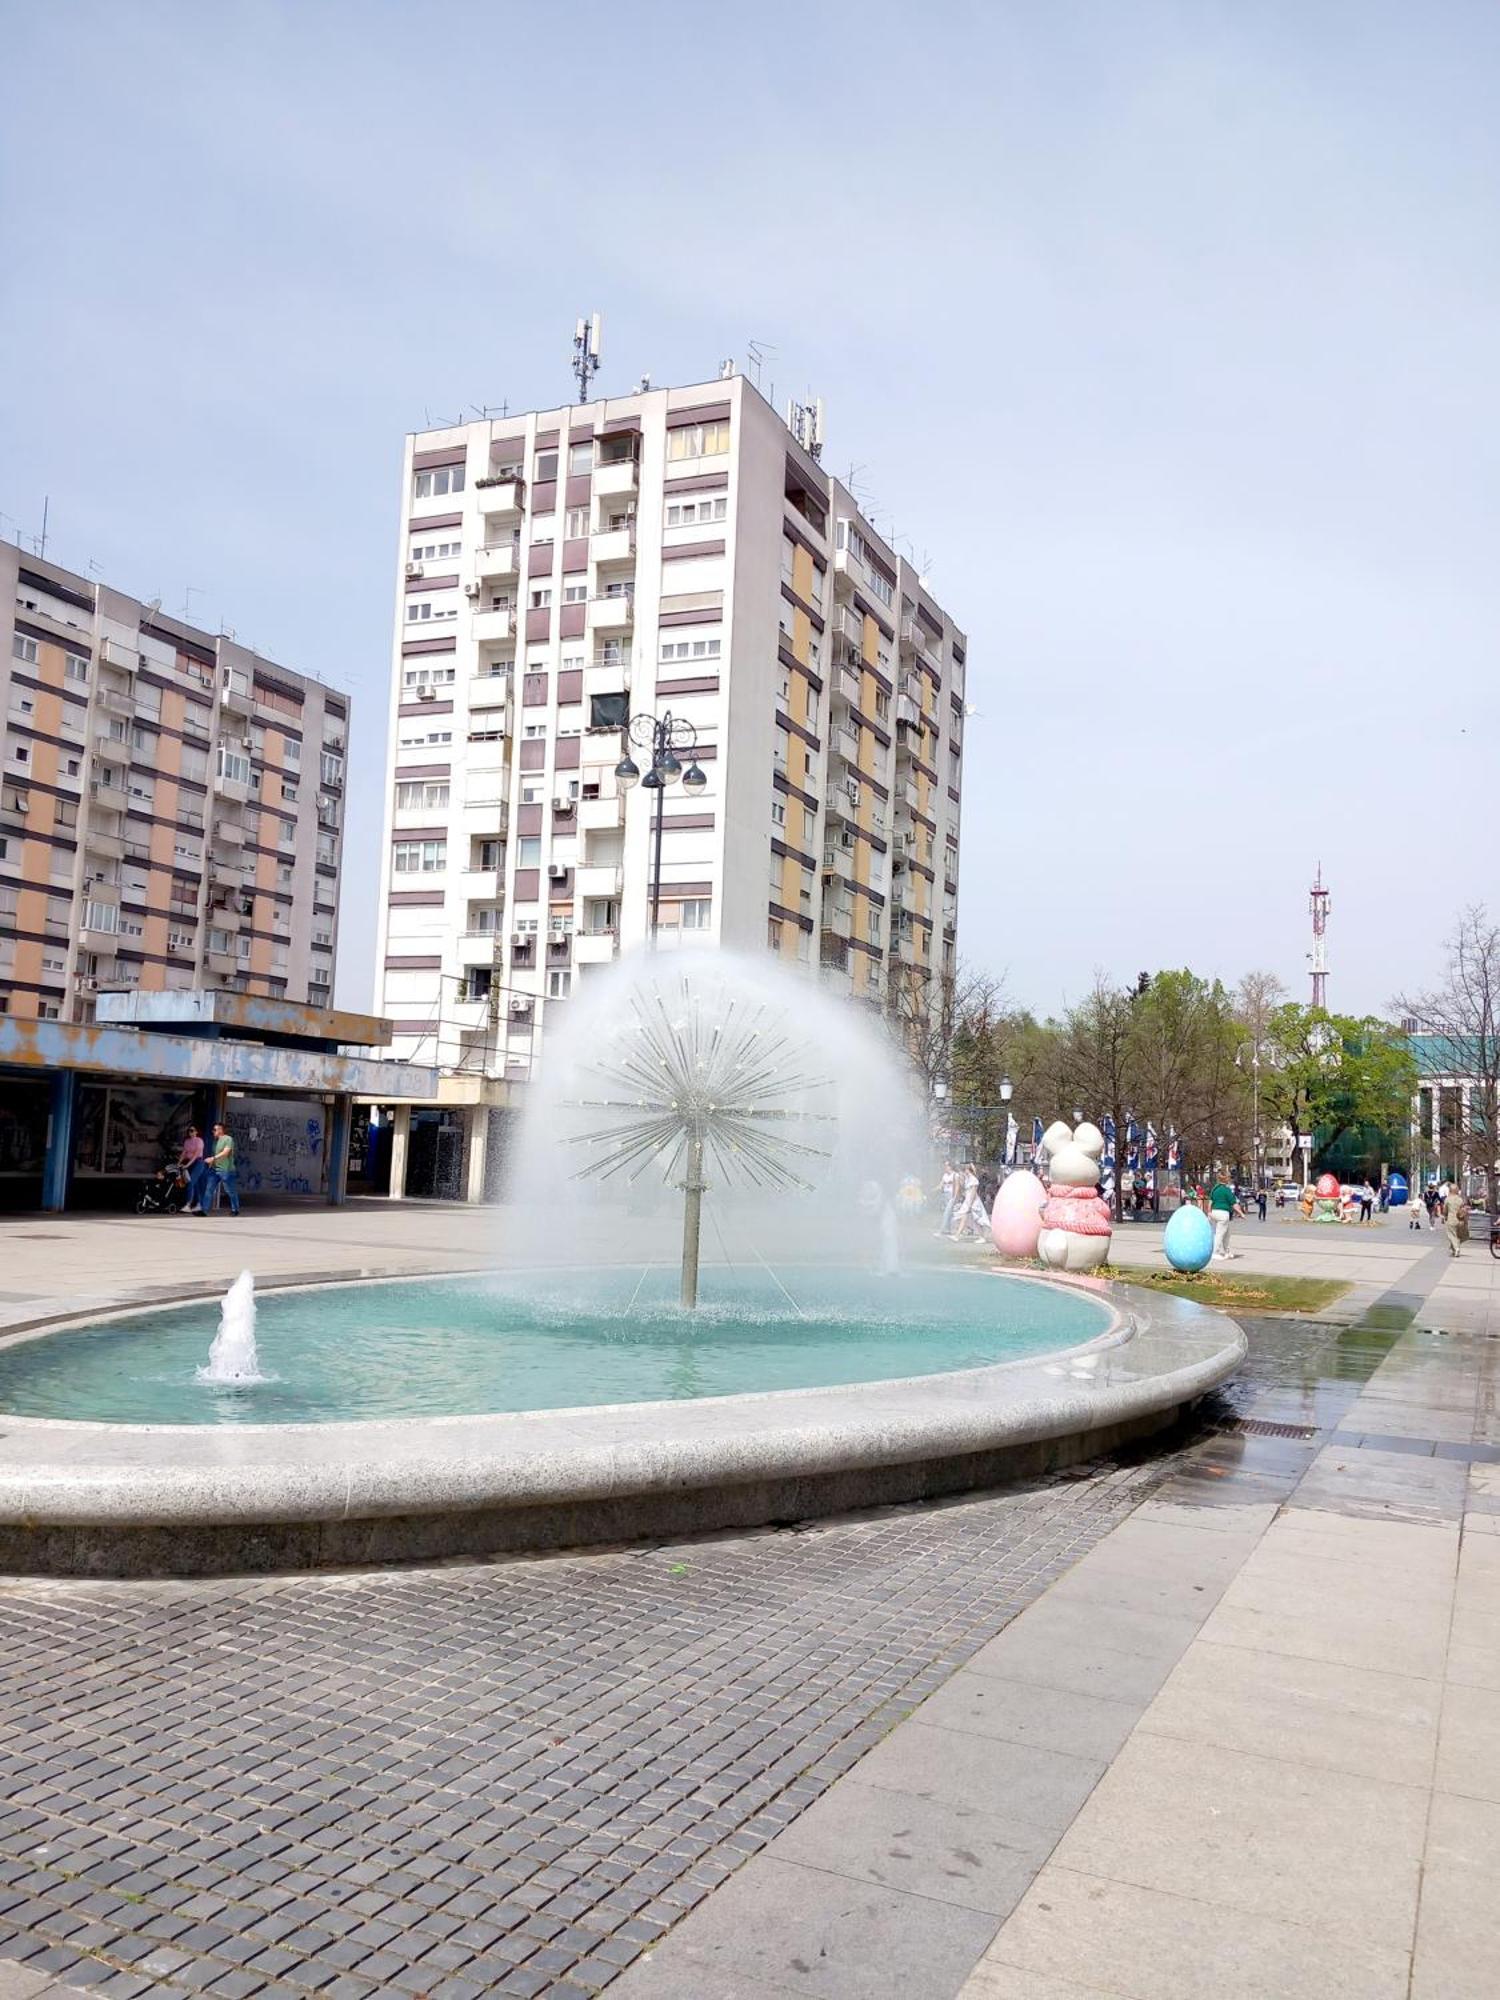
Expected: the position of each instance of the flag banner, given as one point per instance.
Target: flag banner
(1133, 1146)
(1150, 1149)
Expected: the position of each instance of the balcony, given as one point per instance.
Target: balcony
(113, 654)
(613, 544)
(237, 789)
(99, 840)
(596, 947)
(230, 832)
(236, 696)
(498, 559)
(909, 713)
(114, 704)
(613, 612)
(111, 750)
(842, 803)
(601, 814)
(618, 479)
(848, 571)
(595, 880)
(96, 934)
(844, 743)
(223, 964)
(489, 692)
(833, 952)
(500, 499)
(14, 808)
(490, 626)
(845, 686)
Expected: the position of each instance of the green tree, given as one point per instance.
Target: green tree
(1331, 1074)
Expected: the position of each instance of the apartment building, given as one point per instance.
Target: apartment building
(171, 805)
(675, 552)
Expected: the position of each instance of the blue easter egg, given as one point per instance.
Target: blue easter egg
(1188, 1240)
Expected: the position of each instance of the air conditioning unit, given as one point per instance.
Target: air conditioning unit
(519, 1006)
(562, 804)
(520, 939)
(851, 790)
(415, 569)
(556, 872)
(425, 694)
(471, 591)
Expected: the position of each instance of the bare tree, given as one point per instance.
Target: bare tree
(1098, 1056)
(1460, 1018)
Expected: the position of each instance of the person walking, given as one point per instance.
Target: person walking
(1260, 1201)
(190, 1162)
(223, 1172)
(1366, 1202)
(1223, 1207)
(1455, 1208)
(971, 1218)
(948, 1189)
(1416, 1208)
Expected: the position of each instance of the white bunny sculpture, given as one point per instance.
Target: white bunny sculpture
(1076, 1226)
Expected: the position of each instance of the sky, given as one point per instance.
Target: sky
(1164, 334)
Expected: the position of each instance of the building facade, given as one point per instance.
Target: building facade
(670, 552)
(171, 805)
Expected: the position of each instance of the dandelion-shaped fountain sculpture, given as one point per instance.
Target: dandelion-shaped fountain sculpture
(698, 1078)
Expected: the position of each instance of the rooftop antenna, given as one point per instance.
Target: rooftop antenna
(757, 351)
(1318, 956)
(805, 422)
(41, 544)
(586, 345)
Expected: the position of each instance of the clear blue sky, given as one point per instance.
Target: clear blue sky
(1169, 331)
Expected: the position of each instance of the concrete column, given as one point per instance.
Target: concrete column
(400, 1134)
(1436, 1090)
(57, 1168)
(479, 1136)
(340, 1120)
(1464, 1128)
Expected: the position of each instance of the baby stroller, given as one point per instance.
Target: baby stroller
(162, 1193)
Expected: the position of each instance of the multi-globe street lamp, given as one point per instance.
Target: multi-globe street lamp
(665, 736)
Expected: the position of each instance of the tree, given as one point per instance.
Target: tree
(1097, 1062)
(1331, 1074)
(1184, 1077)
(1458, 1022)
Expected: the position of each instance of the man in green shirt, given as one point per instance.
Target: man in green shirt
(222, 1162)
(1223, 1207)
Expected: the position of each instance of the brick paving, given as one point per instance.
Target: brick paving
(480, 1778)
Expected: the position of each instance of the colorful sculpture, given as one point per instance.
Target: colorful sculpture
(1016, 1217)
(1188, 1239)
(1076, 1225)
(1326, 1207)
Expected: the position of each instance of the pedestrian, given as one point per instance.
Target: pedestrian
(1223, 1207)
(1455, 1208)
(1385, 1195)
(1414, 1218)
(190, 1162)
(223, 1172)
(1260, 1201)
(971, 1216)
(1366, 1202)
(948, 1192)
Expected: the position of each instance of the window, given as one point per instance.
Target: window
(688, 513)
(490, 855)
(427, 676)
(535, 729)
(545, 466)
(435, 551)
(24, 648)
(442, 479)
(75, 667)
(575, 593)
(558, 983)
(697, 440)
(531, 794)
(331, 766)
(291, 750)
(234, 765)
(778, 812)
(697, 913)
(529, 851)
(421, 794)
(690, 649)
(576, 523)
(101, 917)
(289, 794)
(425, 857)
(560, 927)
(581, 456)
(410, 739)
(883, 706)
(526, 926)
(424, 610)
(541, 596)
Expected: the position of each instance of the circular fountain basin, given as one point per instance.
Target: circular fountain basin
(415, 1419)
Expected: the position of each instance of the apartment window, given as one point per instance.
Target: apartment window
(235, 766)
(486, 735)
(331, 766)
(883, 707)
(697, 913)
(48, 1010)
(421, 793)
(423, 610)
(581, 456)
(558, 983)
(143, 789)
(690, 513)
(541, 596)
(101, 917)
(529, 851)
(442, 479)
(424, 857)
(545, 466)
(691, 649)
(490, 855)
(576, 523)
(531, 794)
(427, 676)
(435, 551)
(778, 812)
(75, 667)
(24, 648)
(697, 440)
(410, 739)
(575, 593)
(289, 794)
(527, 926)
(535, 729)
(291, 752)
(560, 927)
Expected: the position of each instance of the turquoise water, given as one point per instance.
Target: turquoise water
(543, 1340)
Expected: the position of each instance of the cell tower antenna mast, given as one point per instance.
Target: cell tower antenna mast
(586, 345)
(1318, 956)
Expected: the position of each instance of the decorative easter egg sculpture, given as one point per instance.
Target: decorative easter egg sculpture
(1328, 1187)
(1075, 1222)
(1188, 1239)
(1016, 1217)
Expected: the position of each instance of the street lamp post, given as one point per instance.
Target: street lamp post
(665, 735)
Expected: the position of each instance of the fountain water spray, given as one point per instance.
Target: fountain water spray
(697, 1075)
(232, 1357)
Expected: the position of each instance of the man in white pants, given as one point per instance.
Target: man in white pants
(1223, 1207)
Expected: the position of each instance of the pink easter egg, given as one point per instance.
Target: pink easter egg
(1016, 1218)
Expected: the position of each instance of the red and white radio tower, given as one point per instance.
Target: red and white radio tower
(1318, 956)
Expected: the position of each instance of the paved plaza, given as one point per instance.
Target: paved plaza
(1222, 1719)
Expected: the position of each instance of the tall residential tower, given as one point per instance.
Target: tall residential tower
(672, 552)
(171, 804)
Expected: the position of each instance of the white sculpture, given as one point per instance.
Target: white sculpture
(1076, 1226)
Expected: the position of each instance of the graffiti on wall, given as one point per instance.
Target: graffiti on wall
(280, 1144)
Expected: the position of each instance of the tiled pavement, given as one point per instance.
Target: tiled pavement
(471, 1779)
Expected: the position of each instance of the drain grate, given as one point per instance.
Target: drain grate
(1260, 1427)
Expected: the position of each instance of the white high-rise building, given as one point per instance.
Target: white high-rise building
(671, 553)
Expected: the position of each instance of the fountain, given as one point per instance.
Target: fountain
(232, 1359)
